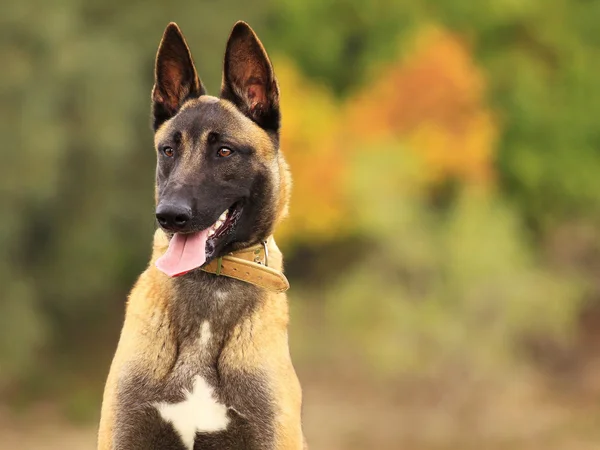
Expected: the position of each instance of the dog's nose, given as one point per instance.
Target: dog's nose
(173, 217)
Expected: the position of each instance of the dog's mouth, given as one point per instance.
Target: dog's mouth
(223, 227)
(188, 251)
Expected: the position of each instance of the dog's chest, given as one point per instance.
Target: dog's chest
(192, 404)
(202, 404)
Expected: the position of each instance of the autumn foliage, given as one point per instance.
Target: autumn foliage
(312, 146)
(431, 101)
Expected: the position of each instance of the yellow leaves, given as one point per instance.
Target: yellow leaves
(310, 142)
(431, 102)
(466, 156)
(434, 102)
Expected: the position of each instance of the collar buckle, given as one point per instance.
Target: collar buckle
(264, 244)
(257, 258)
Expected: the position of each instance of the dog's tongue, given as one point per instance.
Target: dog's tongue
(185, 253)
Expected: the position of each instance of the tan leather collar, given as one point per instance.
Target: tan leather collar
(250, 265)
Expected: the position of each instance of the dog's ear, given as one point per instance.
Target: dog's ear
(248, 78)
(175, 77)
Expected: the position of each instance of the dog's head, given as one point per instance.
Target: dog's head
(221, 182)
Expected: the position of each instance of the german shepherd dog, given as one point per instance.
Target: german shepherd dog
(203, 359)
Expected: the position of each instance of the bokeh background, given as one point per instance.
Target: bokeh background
(444, 240)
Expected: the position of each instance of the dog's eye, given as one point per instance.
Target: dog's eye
(224, 152)
(168, 151)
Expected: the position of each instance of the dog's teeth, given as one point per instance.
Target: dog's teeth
(212, 230)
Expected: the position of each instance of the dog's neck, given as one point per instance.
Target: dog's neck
(265, 254)
(220, 301)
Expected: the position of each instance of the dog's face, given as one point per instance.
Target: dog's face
(218, 177)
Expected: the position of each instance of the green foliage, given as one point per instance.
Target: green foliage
(458, 289)
(339, 41)
(541, 63)
(19, 319)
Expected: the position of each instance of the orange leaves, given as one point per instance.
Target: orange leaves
(434, 102)
(431, 102)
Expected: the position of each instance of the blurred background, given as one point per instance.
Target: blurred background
(443, 244)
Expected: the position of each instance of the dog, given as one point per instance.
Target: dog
(203, 360)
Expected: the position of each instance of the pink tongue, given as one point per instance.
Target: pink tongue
(185, 253)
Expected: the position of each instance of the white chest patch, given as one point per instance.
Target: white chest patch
(221, 295)
(199, 412)
(205, 333)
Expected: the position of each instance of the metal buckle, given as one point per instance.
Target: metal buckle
(264, 243)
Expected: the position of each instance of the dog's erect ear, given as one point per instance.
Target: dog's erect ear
(248, 78)
(175, 77)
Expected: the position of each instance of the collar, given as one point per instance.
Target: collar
(250, 265)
